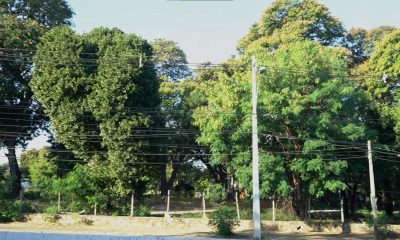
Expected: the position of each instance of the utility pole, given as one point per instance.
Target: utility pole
(372, 182)
(256, 183)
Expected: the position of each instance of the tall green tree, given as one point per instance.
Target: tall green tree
(382, 71)
(22, 22)
(94, 91)
(320, 25)
(300, 111)
(362, 42)
(170, 60)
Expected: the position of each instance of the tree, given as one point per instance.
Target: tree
(382, 71)
(22, 23)
(320, 25)
(297, 109)
(362, 42)
(170, 60)
(94, 91)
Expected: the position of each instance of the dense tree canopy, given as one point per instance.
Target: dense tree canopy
(295, 108)
(93, 89)
(319, 24)
(127, 114)
(22, 22)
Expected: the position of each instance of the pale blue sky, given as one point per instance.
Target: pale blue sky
(208, 30)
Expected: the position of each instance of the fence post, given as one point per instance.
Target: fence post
(168, 195)
(203, 203)
(132, 202)
(237, 205)
(341, 210)
(273, 208)
(95, 208)
(309, 208)
(59, 202)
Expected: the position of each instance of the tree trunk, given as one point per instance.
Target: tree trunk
(388, 203)
(175, 170)
(352, 200)
(14, 168)
(163, 180)
(300, 198)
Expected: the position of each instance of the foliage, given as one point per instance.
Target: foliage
(51, 214)
(170, 60)
(142, 211)
(9, 211)
(49, 13)
(22, 23)
(300, 106)
(99, 100)
(216, 193)
(6, 183)
(202, 185)
(319, 24)
(224, 220)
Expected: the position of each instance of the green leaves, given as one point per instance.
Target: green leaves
(308, 101)
(308, 18)
(91, 87)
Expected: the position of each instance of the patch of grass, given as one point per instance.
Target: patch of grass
(247, 214)
(191, 215)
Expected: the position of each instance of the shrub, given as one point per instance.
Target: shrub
(9, 211)
(51, 214)
(224, 220)
(142, 211)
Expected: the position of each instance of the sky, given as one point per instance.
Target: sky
(207, 30)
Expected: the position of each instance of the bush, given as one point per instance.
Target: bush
(9, 211)
(142, 211)
(224, 220)
(51, 214)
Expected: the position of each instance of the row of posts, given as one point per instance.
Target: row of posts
(203, 205)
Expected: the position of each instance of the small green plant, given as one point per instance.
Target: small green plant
(142, 211)
(380, 226)
(224, 220)
(51, 214)
(9, 211)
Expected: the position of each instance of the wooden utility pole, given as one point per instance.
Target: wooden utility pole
(372, 182)
(256, 183)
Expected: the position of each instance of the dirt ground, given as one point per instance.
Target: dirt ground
(125, 226)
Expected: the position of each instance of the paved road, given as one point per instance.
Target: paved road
(70, 236)
(64, 236)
